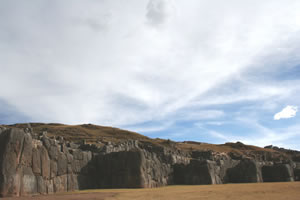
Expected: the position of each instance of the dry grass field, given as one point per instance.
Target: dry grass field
(257, 191)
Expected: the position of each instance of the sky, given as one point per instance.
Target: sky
(203, 70)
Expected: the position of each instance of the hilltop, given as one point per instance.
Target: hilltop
(95, 134)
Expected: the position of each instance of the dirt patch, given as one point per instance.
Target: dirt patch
(261, 191)
(69, 196)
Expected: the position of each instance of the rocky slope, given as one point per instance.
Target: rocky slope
(49, 158)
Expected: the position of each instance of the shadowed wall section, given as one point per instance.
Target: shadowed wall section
(277, 173)
(246, 171)
(120, 170)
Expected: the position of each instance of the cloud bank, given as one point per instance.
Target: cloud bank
(126, 63)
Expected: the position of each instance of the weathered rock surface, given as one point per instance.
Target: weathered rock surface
(29, 166)
(297, 174)
(277, 173)
(33, 163)
(197, 173)
(246, 171)
(120, 170)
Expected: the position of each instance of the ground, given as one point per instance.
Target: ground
(261, 191)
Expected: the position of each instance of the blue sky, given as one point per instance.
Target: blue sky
(199, 70)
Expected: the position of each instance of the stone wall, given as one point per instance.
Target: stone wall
(44, 166)
(35, 164)
(30, 166)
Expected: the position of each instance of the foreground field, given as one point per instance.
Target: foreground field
(261, 191)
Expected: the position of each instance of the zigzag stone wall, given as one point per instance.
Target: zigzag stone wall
(31, 164)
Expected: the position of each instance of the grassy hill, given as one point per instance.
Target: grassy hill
(89, 132)
(94, 133)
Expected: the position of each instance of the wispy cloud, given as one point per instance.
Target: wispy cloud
(151, 128)
(126, 63)
(256, 133)
(219, 135)
(216, 123)
(197, 114)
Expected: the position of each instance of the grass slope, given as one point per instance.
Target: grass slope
(93, 133)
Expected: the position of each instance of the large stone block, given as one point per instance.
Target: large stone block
(28, 182)
(72, 182)
(53, 168)
(26, 152)
(60, 183)
(196, 173)
(14, 153)
(45, 163)
(53, 152)
(36, 161)
(76, 168)
(49, 186)
(297, 174)
(41, 185)
(277, 173)
(120, 170)
(247, 171)
(62, 164)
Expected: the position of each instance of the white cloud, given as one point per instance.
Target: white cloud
(287, 112)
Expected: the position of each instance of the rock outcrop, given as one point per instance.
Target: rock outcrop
(35, 163)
